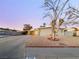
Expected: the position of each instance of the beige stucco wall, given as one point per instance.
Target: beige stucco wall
(77, 32)
(36, 32)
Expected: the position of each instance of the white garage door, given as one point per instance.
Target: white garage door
(45, 32)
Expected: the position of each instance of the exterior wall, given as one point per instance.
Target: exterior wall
(36, 32)
(77, 33)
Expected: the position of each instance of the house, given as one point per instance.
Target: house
(76, 31)
(6, 31)
(46, 31)
(43, 31)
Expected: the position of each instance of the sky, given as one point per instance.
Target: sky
(15, 13)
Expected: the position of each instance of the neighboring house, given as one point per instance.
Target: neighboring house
(76, 31)
(6, 31)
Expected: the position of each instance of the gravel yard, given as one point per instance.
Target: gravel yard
(44, 41)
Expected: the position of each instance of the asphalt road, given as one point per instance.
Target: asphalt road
(13, 47)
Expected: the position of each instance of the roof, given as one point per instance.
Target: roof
(8, 29)
(44, 27)
(4, 28)
(49, 27)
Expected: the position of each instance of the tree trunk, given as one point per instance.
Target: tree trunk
(53, 34)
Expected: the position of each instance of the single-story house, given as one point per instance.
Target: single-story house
(6, 31)
(43, 31)
(46, 31)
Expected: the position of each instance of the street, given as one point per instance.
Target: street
(17, 47)
(13, 47)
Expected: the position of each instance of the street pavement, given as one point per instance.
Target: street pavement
(16, 47)
(13, 47)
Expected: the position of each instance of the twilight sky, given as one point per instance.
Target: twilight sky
(15, 13)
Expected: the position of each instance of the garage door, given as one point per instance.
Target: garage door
(45, 32)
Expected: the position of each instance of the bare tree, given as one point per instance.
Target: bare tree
(59, 11)
(27, 27)
(55, 9)
(72, 16)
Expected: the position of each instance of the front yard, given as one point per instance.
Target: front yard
(44, 41)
